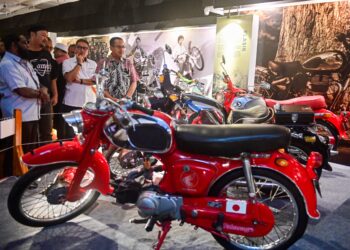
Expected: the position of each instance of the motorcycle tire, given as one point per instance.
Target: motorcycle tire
(32, 177)
(306, 149)
(302, 218)
(333, 131)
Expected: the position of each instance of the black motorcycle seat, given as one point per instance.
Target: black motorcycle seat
(231, 140)
(257, 114)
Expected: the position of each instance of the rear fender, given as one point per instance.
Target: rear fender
(295, 173)
(72, 152)
(334, 120)
(298, 175)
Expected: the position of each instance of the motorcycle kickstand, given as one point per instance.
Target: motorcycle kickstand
(165, 228)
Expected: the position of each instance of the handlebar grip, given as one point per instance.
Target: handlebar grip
(142, 109)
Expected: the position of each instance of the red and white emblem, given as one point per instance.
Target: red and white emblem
(236, 206)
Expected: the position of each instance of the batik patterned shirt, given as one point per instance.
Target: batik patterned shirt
(121, 74)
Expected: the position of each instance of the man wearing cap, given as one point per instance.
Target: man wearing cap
(60, 53)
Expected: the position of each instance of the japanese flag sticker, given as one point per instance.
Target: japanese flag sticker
(236, 206)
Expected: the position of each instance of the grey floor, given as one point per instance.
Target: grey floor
(106, 225)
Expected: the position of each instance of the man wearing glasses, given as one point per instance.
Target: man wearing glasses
(122, 74)
(78, 72)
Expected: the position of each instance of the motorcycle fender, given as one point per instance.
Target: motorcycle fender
(334, 120)
(298, 175)
(71, 152)
(295, 173)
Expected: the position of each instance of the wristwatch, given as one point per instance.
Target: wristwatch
(81, 81)
(80, 64)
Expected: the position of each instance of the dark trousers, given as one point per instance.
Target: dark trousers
(45, 123)
(68, 132)
(58, 121)
(30, 134)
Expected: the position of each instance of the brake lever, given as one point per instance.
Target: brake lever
(124, 109)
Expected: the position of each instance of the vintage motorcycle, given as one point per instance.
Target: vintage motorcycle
(327, 123)
(325, 74)
(233, 181)
(244, 107)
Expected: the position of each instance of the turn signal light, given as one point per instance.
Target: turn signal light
(161, 78)
(281, 162)
(327, 115)
(173, 97)
(282, 150)
(310, 139)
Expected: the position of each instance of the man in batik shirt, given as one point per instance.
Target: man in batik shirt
(123, 78)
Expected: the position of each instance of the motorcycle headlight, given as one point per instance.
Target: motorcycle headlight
(75, 120)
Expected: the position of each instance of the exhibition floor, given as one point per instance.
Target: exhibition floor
(106, 226)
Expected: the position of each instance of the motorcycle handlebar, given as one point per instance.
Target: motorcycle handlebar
(142, 109)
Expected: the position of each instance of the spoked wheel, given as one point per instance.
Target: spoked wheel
(38, 198)
(282, 197)
(197, 57)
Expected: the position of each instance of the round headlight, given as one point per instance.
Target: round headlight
(75, 120)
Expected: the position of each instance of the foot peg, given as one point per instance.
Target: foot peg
(138, 221)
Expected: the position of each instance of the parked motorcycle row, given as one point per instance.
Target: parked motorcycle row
(246, 169)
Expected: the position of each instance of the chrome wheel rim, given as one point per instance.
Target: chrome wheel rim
(34, 201)
(280, 201)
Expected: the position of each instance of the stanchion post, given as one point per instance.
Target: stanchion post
(18, 167)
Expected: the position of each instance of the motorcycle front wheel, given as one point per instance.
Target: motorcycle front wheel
(275, 191)
(37, 199)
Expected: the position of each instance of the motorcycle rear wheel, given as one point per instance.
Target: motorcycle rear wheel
(234, 184)
(29, 201)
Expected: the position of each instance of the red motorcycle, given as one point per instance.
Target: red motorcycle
(334, 125)
(233, 181)
(328, 123)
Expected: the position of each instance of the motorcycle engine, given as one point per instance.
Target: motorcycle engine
(162, 206)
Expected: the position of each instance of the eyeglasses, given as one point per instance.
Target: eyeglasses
(83, 48)
(119, 46)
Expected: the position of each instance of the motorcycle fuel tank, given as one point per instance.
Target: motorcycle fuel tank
(147, 134)
(325, 62)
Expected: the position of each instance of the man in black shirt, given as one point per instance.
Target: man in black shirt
(42, 62)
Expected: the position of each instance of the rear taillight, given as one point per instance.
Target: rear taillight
(331, 140)
(315, 161)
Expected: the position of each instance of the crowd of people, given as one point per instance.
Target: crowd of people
(43, 86)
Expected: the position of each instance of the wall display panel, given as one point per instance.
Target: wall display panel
(304, 50)
(192, 52)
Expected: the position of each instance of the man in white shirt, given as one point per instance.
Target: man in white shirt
(78, 72)
(20, 88)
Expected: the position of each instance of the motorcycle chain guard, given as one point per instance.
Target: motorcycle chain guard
(221, 215)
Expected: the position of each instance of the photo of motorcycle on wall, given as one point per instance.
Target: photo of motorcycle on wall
(310, 53)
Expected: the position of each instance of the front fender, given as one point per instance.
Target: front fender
(72, 152)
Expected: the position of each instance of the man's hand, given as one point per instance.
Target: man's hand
(54, 100)
(80, 58)
(44, 96)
